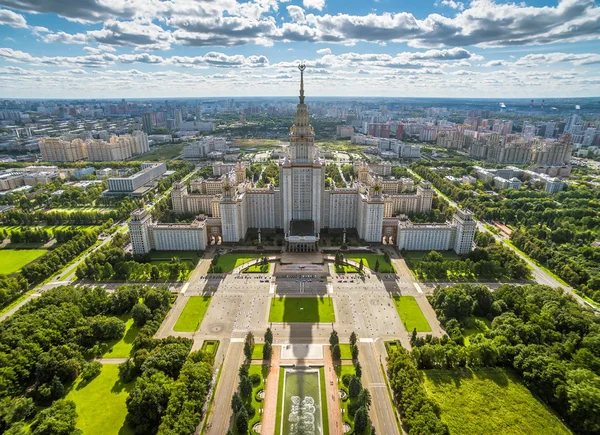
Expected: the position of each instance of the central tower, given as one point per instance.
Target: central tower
(302, 181)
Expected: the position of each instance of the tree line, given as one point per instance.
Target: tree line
(111, 262)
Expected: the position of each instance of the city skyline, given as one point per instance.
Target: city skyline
(157, 49)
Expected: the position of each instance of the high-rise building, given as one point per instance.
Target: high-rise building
(147, 123)
(60, 150)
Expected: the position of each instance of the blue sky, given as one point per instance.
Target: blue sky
(197, 48)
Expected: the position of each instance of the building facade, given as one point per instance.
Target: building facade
(302, 207)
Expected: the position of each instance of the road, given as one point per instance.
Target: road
(539, 275)
(382, 411)
(220, 416)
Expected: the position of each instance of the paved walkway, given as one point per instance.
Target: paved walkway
(111, 360)
(220, 416)
(332, 395)
(270, 406)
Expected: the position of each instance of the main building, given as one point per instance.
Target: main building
(301, 206)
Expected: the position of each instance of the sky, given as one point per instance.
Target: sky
(367, 48)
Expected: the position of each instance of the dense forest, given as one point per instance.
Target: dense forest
(560, 230)
(542, 333)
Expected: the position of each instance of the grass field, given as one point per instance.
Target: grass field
(340, 371)
(410, 313)
(228, 262)
(161, 152)
(345, 268)
(310, 309)
(346, 351)
(489, 401)
(392, 346)
(101, 403)
(122, 348)
(324, 401)
(193, 313)
(262, 371)
(210, 346)
(12, 260)
(369, 260)
(257, 351)
(258, 268)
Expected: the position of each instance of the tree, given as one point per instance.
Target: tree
(269, 336)
(267, 351)
(353, 338)
(333, 338)
(354, 351)
(248, 350)
(336, 353)
(354, 387)
(361, 266)
(91, 370)
(127, 371)
(361, 420)
(241, 421)
(148, 401)
(376, 266)
(236, 402)
(358, 369)
(59, 419)
(141, 314)
(245, 387)
(154, 273)
(364, 398)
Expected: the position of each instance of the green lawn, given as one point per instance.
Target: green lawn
(228, 262)
(122, 348)
(346, 351)
(489, 401)
(342, 370)
(12, 260)
(410, 313)
(392, 346)
(262, 371)
(193, 313)
(369, 260)
(258, 268)
(324, 401)
(210, 346)
(279, 398)
(257, 351)
(101, 403)
(311, 309)
(345, 268)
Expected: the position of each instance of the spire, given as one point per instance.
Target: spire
(302, 67)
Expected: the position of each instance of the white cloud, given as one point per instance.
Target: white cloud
(12, 19)
(314, 4)
(451, 4)
(324, 51)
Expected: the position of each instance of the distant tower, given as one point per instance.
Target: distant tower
(425, 193)
(465, 231)
(139, 232)
(178, 197)
(240, 173)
